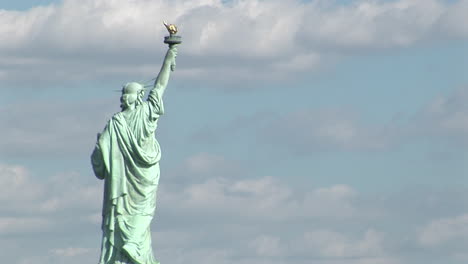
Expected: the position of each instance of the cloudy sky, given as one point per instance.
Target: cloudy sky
(299, 132)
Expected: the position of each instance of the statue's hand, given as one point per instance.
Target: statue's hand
(172, 51)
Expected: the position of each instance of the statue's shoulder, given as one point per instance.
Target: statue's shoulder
(116, 116)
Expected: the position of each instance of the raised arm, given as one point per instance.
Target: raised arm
(161, 81)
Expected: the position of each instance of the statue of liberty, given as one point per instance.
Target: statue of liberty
(126, 157)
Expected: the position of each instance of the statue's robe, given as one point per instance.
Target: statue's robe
(127, 157)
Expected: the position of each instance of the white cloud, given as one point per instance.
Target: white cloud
(93, 218)
(201, 167)
(37, 200)
(68, 191)
(326, 243)
(205, 255)
(237, 39)
(336, 201)
(177, 238)
(313, 130)
(325, 246)
(33, 259)
(23, 225)
(453, 21)
(70, 251)
(319, 246)
(206, 163)
(17, 184)
(446, 116)
(38, 212)
(267, 246)
(444, 230)
(71, 255)
(372, 24)
(300, 62)
(260, 198)
(462, 257)
(222, 220)
(51, 127)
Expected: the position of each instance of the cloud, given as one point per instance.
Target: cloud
(267, 246)
(259, 198)
(13, 225)
(223, 219)
(70, 252)
(445, 117)
(328, 246)
(371, 24)
(319, 246)
(451, 22)
(67, 191)
(205, 255)
(312, 130)
(29, 204)
(247, 40)
(20, 186)
(327, 129)
(444, 230)
(325, 246)
(208, 164)
(203, 166)
(38, 212)
(332, 244)
(336, 201)
(42, 127)
(72, 255)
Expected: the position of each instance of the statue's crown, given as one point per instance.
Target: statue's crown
(132, 88)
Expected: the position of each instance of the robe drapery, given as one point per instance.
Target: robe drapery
(126, 157)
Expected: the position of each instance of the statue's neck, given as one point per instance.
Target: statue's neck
(129, 108)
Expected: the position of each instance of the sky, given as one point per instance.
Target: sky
(299, 132)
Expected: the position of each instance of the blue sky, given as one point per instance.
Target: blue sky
(295, 131)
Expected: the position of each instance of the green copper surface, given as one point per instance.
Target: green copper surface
(126, 157)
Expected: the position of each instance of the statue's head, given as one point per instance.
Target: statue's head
(132, 95)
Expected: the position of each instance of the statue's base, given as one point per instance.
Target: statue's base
(173, 40)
